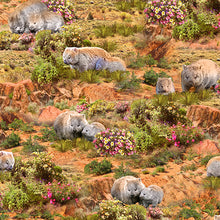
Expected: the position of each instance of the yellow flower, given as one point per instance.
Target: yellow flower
(112, 144)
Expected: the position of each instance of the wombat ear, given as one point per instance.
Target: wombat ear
(139, 179)
(1, 153)
(184, 67)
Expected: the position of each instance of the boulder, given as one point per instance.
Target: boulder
(48, 115)
(95, 92)
(203, 116)
(206, 147)
(213, 167)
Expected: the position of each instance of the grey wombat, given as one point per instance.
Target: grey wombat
(151, 195)
(201, 74)
(127, 189)
(18, 19)
(85, 58)
(164, 86)
(69, 125)
(90, 130)
(116, 64)
(47, 20)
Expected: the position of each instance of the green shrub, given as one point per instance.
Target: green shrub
(211, 183)
(191, 167)
(15, 199)
(119, 76)
(163, 63)
(151, 77)
(114, 209)
(3, 125)
(100, 107)
(64, 145)
(44, 72)
(6, 39)
(86, 43)
(62, 105)
(108, 45)
(48, 134)
(160, 169)
(132, 83)
(33, 107)
(19, 124)
(44, 168)
(150, 61)
(13, 140)
(187, 213)
(209, 209)
(204, 160)
(98, 168)
(10, 96)
(31, 146)
(189, 98)
(123, 171)
(90, 76)
(137, 62)
(187, 31)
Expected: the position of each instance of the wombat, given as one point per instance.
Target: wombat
(201, 74)
(213, 167)
(90, 130)
(116, 64)
(47, 20)
(18, 20)
(127, 189)
(151, 195)
(164, 86)
(69, 125)
(85, 58)
(7, 160)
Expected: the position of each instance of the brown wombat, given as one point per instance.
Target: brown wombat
(201, 74)
(7, 160)
(127, 189)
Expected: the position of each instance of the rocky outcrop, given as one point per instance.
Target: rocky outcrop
(206, 117)
(213, 167)
(95, 92)
(48, 115)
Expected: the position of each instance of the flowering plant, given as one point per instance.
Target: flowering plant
(165, 12)
(26, 38)
(155, 212)
(185, 135)
(60, 193)
(63, 8)
(114, 141)
(217, 88)
(122, 107)
(81, 108)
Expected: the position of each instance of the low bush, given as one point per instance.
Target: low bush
(113, 141)
(19, 124)
(15, 199)
(100, 107)
(191, 167)
(123, 171)
(90, 76)
(33, 107)
(6, 39)
(204, 160)
(108, 45)
(114, 209)
(151, 77)
(185, 135)
(137, 62)
(30, 146)
(48, 134)
(64, 145)
(13, 140)
(98, 168)
(62, 105)
(3, 125)
(60, 193)
(189, 212)
(132, 83)
(211, 183)
(163, 63)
